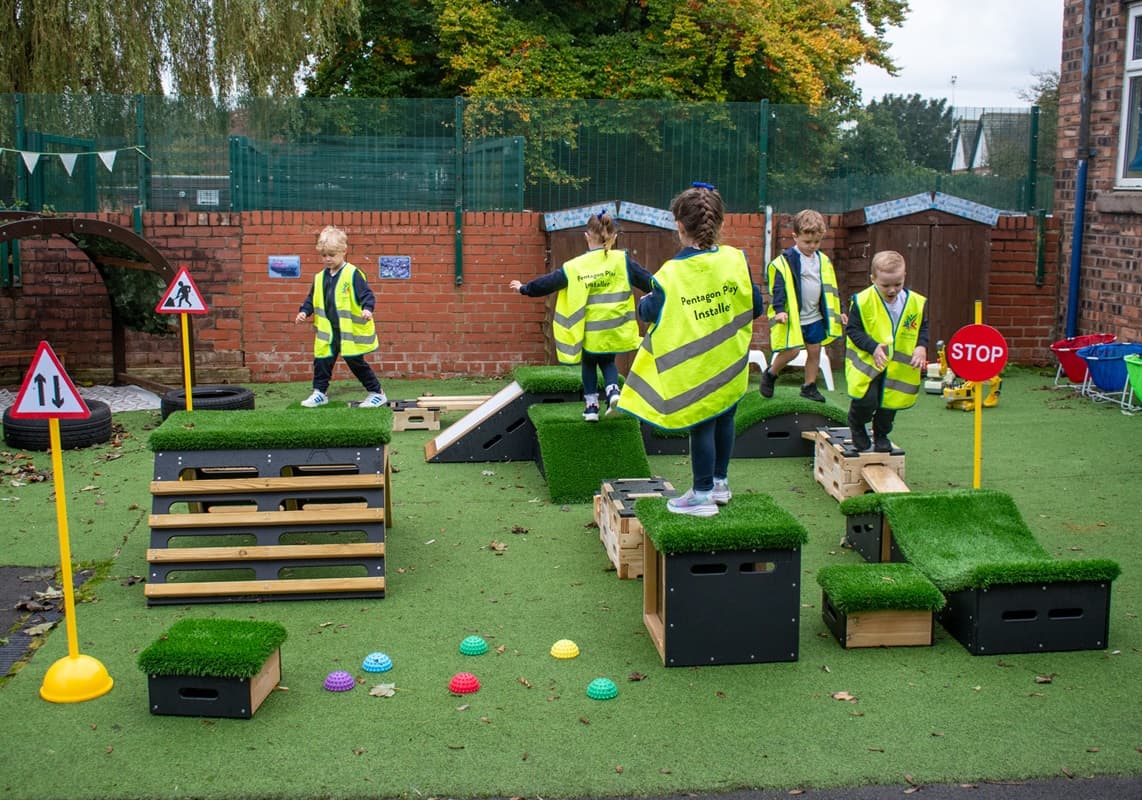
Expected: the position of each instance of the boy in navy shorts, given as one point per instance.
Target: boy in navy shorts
(805, 305)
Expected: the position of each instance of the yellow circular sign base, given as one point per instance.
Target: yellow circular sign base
(74, 679)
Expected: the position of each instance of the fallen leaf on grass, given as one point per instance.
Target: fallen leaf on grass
(636, 676)
(39, 630)
(525, 682)
(358, 751)
(619, 768)
(497, 547)
(383, 690)
(844, 696)
(1045, 678)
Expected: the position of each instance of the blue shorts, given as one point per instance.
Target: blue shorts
(814, 332)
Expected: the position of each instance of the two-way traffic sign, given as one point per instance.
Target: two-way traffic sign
(47, 391)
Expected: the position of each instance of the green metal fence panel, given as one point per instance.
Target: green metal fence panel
(195, 154)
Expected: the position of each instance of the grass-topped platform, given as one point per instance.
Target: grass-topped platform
(577, 456)
(878, 605)
(292, 428)
(213, 667)
(766, 428)
(722, 589)
(1005, 593)
(549, 379)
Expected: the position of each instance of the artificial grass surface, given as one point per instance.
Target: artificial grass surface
(750, 522)
(578, 456)
(879, 587)
(549, 379)
(479, 549)
(295, 427)
(976, 539)
(215, 648)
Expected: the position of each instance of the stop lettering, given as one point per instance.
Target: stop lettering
(977, 352)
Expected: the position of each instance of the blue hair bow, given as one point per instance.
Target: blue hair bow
(601, 214)
(700, 185)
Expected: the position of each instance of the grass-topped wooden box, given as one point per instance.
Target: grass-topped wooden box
(722, 589)
(254, 504)
(1005, 593)
(576, 456)
(878, 605)
(213, 667)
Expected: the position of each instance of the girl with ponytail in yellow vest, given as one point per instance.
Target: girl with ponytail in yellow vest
(340, 303)
(885, 350)
(594, 313)
(693, 365)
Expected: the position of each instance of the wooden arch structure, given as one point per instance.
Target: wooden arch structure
(106, 245)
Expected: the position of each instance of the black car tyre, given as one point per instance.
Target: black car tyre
(33, 434)
(208, 398)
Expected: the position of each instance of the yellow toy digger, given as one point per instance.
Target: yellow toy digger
(960, 393)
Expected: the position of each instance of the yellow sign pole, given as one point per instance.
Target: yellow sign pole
(186, 362)
(76, 677)
(978, 395)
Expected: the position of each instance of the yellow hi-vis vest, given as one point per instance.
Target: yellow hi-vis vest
(596, 311)
(693, 362)
(358, 335)
(902, 380)
(787, 335)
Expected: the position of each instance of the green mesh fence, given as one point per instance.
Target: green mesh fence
(115, 153)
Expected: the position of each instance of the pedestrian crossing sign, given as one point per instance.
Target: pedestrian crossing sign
(47, 391)
(182, 296)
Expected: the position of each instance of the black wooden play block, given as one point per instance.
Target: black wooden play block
(724, 607)
(868, 535)
(204, 696)
(780, 437)
(1029, 618)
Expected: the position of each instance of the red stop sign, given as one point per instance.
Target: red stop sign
(977, 352)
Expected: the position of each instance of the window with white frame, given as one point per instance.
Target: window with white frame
(1130, 140)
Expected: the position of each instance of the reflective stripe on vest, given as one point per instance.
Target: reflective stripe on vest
(357, 334)
(693, 362)
(595, 312)
(901, 380)
(787, 335)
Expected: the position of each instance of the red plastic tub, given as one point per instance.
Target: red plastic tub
(1067, 352)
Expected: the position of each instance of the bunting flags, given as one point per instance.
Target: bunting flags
(32, 159)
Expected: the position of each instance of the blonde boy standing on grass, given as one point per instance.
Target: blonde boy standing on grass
(341, 304)
(805, 305)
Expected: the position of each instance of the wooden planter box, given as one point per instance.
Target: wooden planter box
(198, 696)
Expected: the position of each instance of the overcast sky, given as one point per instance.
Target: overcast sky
(992, 47)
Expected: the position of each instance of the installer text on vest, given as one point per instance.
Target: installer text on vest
(710, 304)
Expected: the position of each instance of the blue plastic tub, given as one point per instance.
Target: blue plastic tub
(1107, 364)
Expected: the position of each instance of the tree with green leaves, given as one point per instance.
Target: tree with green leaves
(785, 51)
(198, 47)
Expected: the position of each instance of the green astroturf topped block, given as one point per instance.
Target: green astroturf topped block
(549, 380)
(976, 539)
(749, 522)
(879, 587)
(754, 408)
(217, 648)
(292, 428)
(577, 456)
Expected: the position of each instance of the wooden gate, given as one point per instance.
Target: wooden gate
(948, 260)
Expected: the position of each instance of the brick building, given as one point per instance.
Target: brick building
(1100, 134)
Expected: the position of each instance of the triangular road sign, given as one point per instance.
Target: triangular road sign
(182, 296)
(47, 391)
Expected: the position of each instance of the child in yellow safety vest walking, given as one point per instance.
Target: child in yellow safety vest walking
(886, 348)
(693, 365)
(341, 304)
(594, 316)
(805, 305)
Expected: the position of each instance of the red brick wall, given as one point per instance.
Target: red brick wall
(1110, 282)
(428, 325)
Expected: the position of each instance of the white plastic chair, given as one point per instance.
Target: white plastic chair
(758, 357)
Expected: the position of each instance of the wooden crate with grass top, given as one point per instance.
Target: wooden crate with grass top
(619, 528)
(1005, 592)
(878, 605)
(256, 505)
(213, 667)
(722, 589)
(842, 470)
